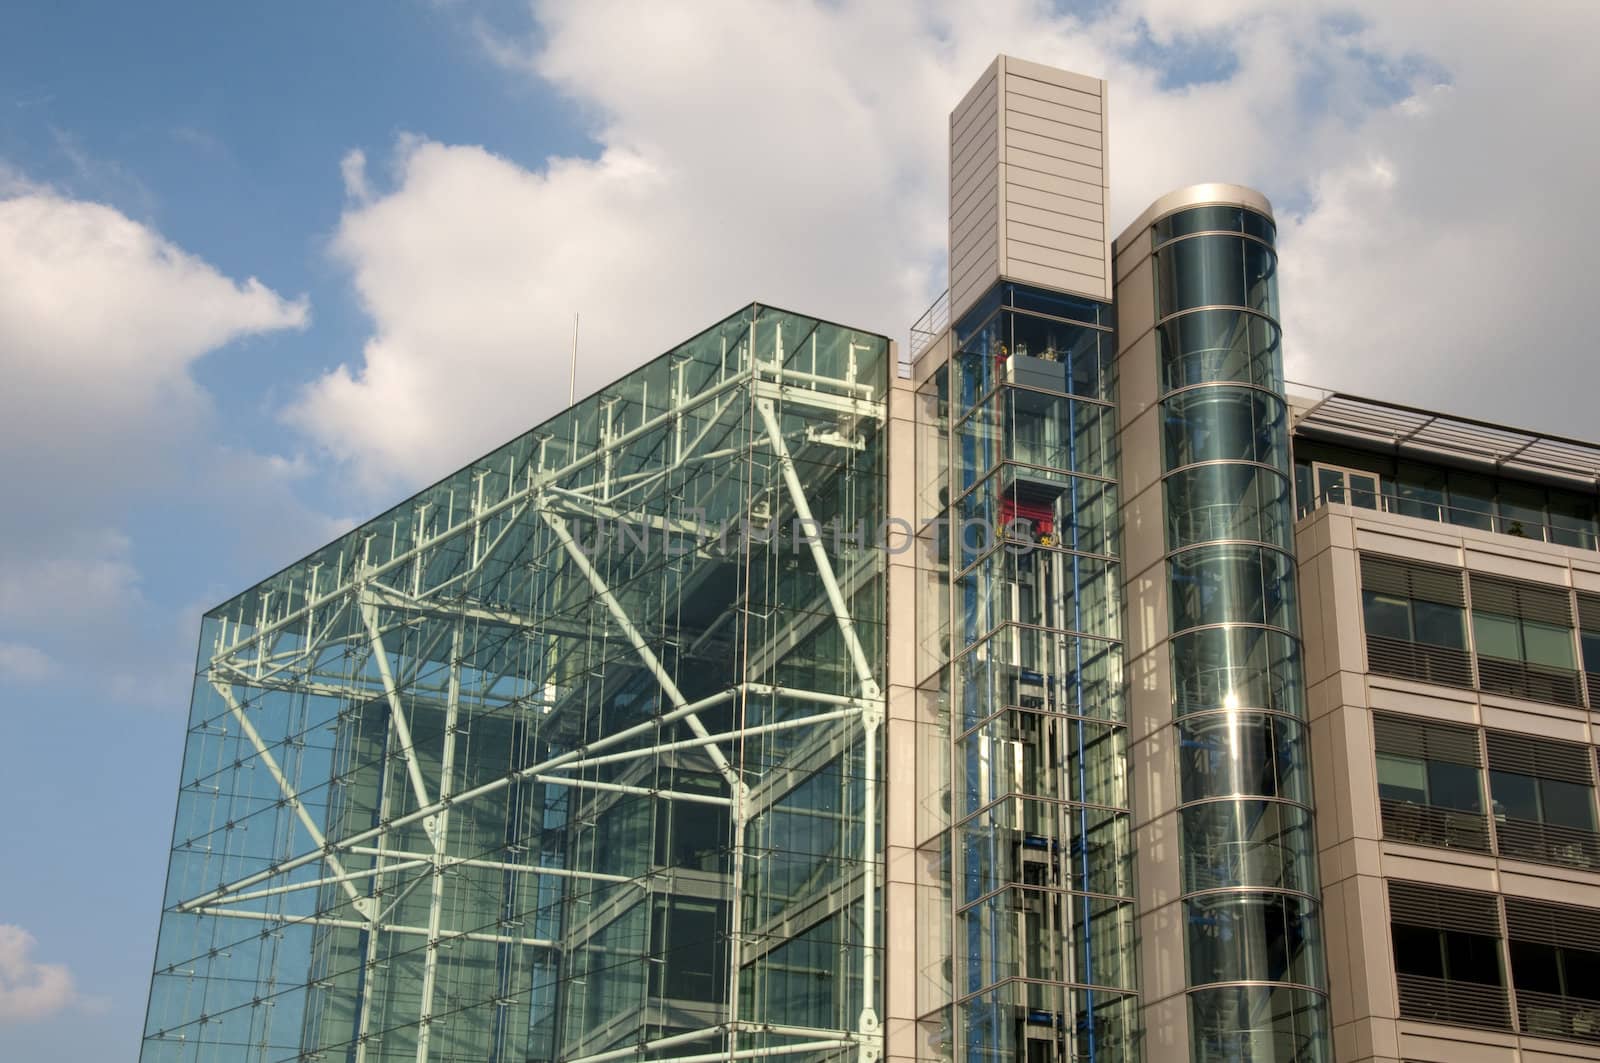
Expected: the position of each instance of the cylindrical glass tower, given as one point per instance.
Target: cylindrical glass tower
(1252, 939)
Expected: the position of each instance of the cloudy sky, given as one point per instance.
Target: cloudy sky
(266, 268)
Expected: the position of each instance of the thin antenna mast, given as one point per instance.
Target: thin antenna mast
(572, 390)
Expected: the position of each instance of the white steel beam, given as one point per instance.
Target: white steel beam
(291, 796)
(397, 712)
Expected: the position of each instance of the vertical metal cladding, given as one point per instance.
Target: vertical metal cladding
(1253, 944)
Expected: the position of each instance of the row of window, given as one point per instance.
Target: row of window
(1452, 959)
(1536, 801)
(1523, 639)
(1434, 492)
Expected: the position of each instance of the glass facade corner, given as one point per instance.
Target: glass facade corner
(574, 755)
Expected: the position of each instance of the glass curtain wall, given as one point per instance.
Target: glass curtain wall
(576, 750)
(1041, 875)
(1253, 938)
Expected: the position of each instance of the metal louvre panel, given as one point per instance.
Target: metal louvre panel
(1412, 579)
(1543, 923)
(1408, 736)
(1422, 661)
(1544, 758)
(1442, 908)
(1588, 612)
(1526, 601)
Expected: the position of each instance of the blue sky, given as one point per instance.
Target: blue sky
(424, 193)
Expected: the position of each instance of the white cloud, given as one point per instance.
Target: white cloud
(23, 663)
(101, 322)
(29, 990)
(1429, 167)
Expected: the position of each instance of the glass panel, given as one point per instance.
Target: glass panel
(1471, 500)
(1418, 950)
(1264, 844)
(1232, 584)
(1420, 491)
(1439, 625)
(1220, 345)
(1236, 752)
(1516, 796)
(1457, 786)
(1330, 484)
(1386, 615)
(1254, 937)
(1363, 490)
(1216, 271)
(1211, 502)
(1230, 668)
(1549, 645)
(1471, 958)
(1225, 424)
(1496, 636)
(1567, 804)
(1535, 967)
(1402, 779)
(1258, 1024)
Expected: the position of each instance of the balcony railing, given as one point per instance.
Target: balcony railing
(1453, 1003)
(1547, 843)
(1423, 661)
(1447, 828)
(1483, 520)
(1563, 1018)
(1497, 675)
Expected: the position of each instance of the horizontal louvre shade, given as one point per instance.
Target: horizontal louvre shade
(1408, 736)
(1410, 579)
(1446, 828)
(1453, 1003)
(1526, 601)
(1518, 679)
(1544, 758)
(1589, 612)
(1441, 908)
(1542, 923)
(1563, 1018)
(1422, 661)
(1547, 843)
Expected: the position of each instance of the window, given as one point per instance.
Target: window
(1523, 633)
(1555, 966)
(1430, 782)
(1415, 620)
(1543, 793)
(1447, 955)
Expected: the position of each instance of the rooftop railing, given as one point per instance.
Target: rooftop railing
(1460, 516)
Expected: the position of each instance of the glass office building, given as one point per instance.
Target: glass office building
(801, 697)
(574, 755)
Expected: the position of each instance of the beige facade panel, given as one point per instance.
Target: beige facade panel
(1056, 131)
(1052, 148)
(1023, 159)
(1036, 254)
(1049, 182)
(1055, 203)
(1037, 136)
(1022, 214)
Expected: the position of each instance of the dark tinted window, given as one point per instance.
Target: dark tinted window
(1417, 951)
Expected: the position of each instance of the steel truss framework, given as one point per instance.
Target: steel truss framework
(574, 755)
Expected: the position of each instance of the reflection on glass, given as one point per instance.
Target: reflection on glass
(1239, 937)
(1262, 844)
(1220, 345)
(1225, 424)
(1244, 667)
(1232, 584)
(1242, 752)
(1227, 501)
(1216, 271)
(1258, 1024)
